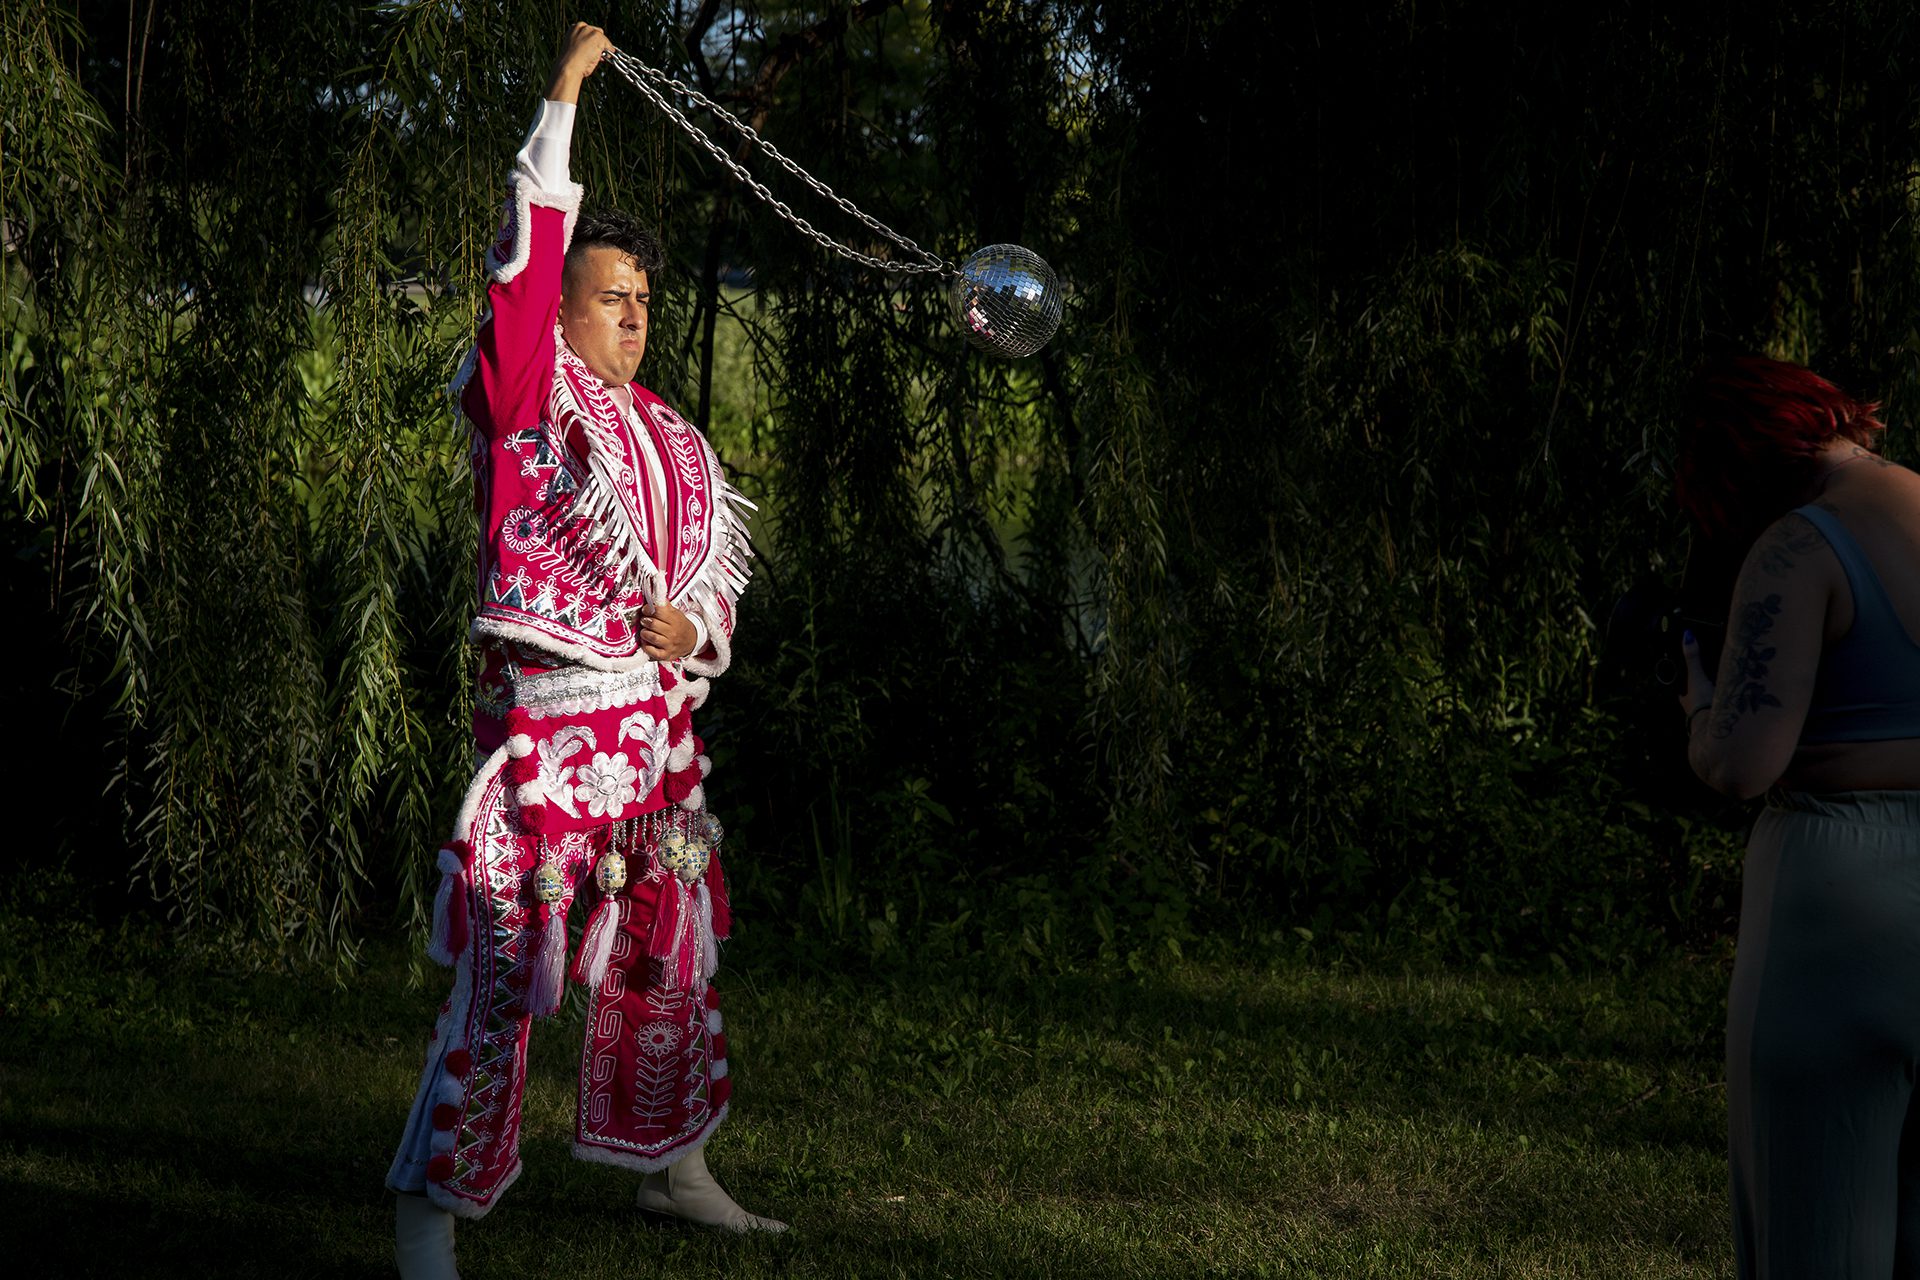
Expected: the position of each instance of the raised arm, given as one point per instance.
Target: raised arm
(514, 348)
(578, 58)
(1742, 730)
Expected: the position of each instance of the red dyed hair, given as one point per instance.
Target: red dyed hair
(1751, 429)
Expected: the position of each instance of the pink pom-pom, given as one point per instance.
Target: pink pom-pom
(449, 937)
(533, 817)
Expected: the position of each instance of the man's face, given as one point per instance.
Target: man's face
(603, 313)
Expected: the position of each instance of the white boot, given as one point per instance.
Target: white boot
(687, 1191)
(422, 1239)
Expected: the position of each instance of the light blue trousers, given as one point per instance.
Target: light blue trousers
(1823, 1040)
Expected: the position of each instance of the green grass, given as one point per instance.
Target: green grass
(1236, 1116)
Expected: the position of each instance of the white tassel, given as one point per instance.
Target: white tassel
(439, 944)
(550, 969)
(709, 945)
(597, 947)
(520, 746)
(453, 880)
(686, 940)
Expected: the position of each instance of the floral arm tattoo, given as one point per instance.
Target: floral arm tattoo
(1750, 656)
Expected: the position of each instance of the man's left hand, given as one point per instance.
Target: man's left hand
(666, 634)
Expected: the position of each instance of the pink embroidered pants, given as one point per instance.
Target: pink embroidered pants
(653, 1069)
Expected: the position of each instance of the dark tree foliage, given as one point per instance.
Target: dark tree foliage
(1270, 589)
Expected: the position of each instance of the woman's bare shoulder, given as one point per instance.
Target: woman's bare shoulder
(1789, 547)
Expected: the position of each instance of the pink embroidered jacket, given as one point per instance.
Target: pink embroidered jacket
(587, 513)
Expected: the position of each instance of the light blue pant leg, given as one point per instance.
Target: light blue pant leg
(1823, 1038)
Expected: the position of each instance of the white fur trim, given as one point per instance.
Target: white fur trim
(530, 794)
(688, 693)
(714, 1024)
(522, 194)
(461, 1207)
(484, 629)
(436, 1086)
(650, 1164)
(716, 594)
(722, 655)
(696, 800)
(470, 803)
(719, 1071)
(520, 746)
(681, 755)
(706, 766)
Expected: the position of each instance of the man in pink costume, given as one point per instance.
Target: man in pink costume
(611, 560)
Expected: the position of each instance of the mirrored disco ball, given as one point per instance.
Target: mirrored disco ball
(1007, 300)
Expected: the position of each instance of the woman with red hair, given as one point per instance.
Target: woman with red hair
(1817, 705)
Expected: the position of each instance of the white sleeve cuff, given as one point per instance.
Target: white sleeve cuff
(699, 633)
(543, 160)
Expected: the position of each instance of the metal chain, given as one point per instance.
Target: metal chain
(646, 78)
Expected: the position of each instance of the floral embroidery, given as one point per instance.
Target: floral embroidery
(607, 785)
(558, 780)
(657, 1039)
(524, 529)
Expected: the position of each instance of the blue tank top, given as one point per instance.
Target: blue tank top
(1868, 686)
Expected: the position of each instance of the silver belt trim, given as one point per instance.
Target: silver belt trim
(567, 691)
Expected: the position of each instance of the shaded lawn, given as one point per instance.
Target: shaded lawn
(1222, 1117)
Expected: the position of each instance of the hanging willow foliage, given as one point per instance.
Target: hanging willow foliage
(1274, 580)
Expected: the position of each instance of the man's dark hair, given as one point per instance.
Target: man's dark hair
(611, 227)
